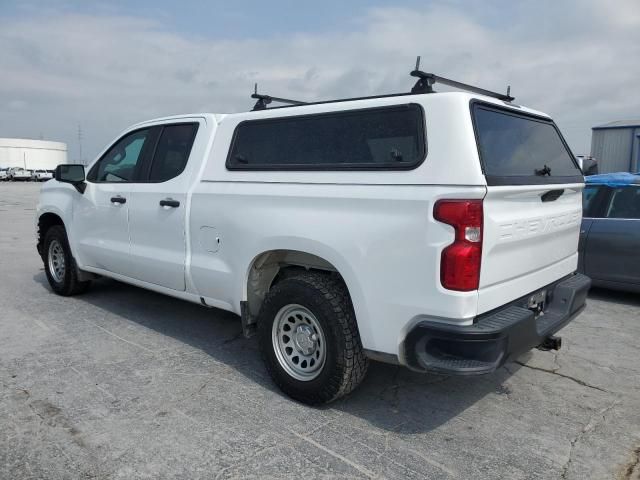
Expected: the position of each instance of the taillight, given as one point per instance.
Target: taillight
(460, 261)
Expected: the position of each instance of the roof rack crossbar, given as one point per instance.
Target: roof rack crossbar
(264, 100)
(426, 80)
(424, 84)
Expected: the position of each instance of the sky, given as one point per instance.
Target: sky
(107, 64)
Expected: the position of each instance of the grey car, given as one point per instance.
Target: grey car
(610, 234)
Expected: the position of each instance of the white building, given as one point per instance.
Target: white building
(31, 154)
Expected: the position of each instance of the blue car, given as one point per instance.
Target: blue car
(610, 234)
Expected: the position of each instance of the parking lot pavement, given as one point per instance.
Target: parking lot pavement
(124, 383)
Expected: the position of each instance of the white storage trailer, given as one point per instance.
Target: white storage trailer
(32, 154)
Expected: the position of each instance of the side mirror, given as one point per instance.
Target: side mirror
(73, 174)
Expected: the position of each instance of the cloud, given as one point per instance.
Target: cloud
(574, 60)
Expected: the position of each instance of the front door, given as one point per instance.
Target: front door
(101, 217)
(101, 227)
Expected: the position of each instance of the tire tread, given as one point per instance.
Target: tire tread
(351, 361)
(71, 284)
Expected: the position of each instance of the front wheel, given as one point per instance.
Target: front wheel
(59, 265)
(309, 338)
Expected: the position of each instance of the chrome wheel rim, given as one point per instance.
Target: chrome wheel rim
(56, 261)
(299, 342)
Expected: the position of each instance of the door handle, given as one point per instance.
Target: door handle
(552, 195)
(118, 199)
(169, 202)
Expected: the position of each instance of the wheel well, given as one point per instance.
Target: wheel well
(45, 222)
(271, 267)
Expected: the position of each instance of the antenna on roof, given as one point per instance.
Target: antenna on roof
(264, 100)
(426, 80)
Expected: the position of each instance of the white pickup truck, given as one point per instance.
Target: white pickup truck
(19, 174)
(41, 175)
(438, 231)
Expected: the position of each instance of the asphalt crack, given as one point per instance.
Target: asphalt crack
(588, 427)
(568, 377)
(394, 388)
(360, 468)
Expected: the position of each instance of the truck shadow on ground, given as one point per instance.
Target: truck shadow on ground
(391, 398)
(613, 296)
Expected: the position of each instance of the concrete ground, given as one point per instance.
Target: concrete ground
(122, 383)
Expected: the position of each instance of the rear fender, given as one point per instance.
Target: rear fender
(328, 255)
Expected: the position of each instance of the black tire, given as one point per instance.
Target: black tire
(345, 363)
(68, 283)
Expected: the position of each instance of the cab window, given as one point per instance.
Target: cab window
(172, 151)
(121, 162)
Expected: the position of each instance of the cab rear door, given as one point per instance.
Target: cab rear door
(158, 209)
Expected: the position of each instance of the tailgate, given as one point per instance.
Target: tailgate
(533, 205)
(527, 243)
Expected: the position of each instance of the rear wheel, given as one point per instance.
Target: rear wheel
(59, 265)
(309, 338)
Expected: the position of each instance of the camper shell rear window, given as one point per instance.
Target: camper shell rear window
(390, 137)
(521, 149)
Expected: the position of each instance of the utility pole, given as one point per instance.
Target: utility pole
(80, 143)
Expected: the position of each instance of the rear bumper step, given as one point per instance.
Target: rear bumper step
(496, 337)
